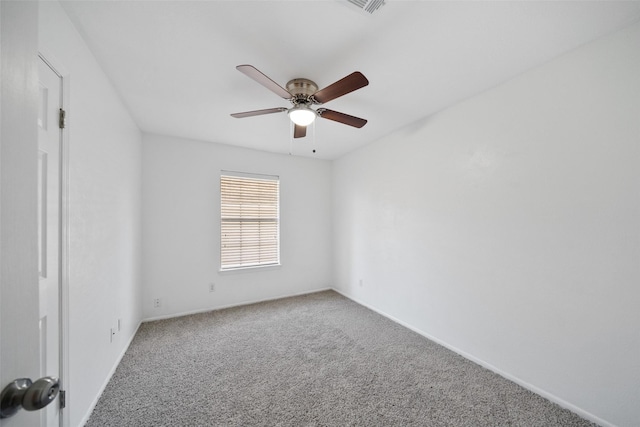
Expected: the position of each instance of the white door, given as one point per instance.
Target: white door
(31, 259)
(49, 229)
(19, 281)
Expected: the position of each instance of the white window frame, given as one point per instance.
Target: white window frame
(254, 221)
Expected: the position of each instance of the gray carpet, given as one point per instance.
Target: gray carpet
(314, 360)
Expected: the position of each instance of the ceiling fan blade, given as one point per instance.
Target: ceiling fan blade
(258, 112)
(341, 118)
(353, 81)
(299, 131)
(265, 81)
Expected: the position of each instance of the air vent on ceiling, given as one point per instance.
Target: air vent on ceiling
(367, 5)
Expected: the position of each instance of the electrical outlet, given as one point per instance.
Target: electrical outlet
(157, 302)
(113, 332)
(212, 287)
(119, 325)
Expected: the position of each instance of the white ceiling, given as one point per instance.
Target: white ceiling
(173, 62)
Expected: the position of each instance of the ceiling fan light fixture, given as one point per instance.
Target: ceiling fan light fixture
(302, 115)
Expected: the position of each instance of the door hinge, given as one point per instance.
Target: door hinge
(63, 399)
(62, 121)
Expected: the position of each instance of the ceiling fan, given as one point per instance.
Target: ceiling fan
(303, 93)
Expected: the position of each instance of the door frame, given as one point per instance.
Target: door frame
(63, 249)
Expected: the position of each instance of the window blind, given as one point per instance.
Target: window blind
(249, 222)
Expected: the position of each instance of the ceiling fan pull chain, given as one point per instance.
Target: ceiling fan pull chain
(314, 137)
(291, 125)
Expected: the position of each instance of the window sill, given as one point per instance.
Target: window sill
(253, 268)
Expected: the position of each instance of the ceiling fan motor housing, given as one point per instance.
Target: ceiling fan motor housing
(301, 89)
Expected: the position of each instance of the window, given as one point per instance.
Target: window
(249, 221)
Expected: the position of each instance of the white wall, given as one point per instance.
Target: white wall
(508, 227)
(104, 208)
(181, 226)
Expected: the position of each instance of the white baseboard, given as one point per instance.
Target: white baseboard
(106, 381)
(549, 396)
(222, 307)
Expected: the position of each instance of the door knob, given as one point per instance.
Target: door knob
(23, 393)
